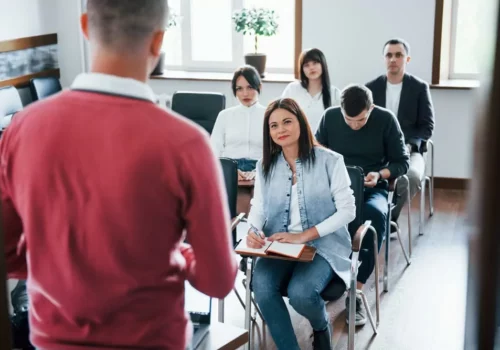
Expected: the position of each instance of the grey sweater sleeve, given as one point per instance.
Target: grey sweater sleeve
(396, 152)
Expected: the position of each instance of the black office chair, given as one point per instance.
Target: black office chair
(41, 88)
(200, 107)
(10, 104)
(336, 288)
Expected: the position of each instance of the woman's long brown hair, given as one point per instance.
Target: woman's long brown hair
(306, 138)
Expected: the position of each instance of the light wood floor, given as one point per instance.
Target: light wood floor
(425, 306)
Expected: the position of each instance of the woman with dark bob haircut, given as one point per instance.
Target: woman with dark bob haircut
(302, 195)
(237, 133)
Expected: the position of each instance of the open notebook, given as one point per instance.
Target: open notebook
(285, 249)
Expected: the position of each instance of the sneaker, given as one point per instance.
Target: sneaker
(360, 310)
(323, 339)
(393, 234)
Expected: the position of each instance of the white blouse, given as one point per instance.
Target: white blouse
(238, 132)
(341, 192)
(311, 105)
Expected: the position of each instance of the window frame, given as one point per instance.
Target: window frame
(453, 42)
(443, 75)
(190, 65)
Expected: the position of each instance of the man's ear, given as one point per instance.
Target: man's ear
(156, 43)
(408, 59)
(84, 24)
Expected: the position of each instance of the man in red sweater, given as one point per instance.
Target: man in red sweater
(100, 187)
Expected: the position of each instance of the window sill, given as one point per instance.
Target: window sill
(213, 76)
(456, 84)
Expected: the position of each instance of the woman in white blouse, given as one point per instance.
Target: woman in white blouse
(237, 133)
(313, 92)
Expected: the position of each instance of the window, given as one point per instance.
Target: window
(464, 39)
(205, 39)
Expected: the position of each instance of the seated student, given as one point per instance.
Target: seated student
(302, 195)
(313, 91)
(237, 133)
(409, 98)
(369, 137)
(95, 209)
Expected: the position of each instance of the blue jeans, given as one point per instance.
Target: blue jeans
(376, 209)
(245, 164)
(304, 282)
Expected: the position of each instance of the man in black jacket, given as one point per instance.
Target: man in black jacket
(409, 98)
(369, 137)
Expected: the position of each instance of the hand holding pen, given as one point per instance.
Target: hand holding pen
(255, 238)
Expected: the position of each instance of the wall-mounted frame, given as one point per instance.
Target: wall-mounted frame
(26, 58)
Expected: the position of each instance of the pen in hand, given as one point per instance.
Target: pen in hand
(255, 238)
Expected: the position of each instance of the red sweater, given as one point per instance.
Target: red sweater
(103, 188)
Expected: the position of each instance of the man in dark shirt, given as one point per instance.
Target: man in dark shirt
(409, 98)
(369, 137)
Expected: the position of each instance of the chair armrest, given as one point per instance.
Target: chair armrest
(237, 220)
(392, 184)
(360, 235)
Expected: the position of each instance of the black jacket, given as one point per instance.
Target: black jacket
(415, 113)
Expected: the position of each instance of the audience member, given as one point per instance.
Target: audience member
(237, 133)
(369, 137)
(302, 195)
(313, 91)
(409, 98)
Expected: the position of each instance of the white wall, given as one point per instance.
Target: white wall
(23, 18)
(351, 33)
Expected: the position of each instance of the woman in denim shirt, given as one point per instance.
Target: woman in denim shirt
(302, 195)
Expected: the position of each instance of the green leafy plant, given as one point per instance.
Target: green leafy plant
(256, 22)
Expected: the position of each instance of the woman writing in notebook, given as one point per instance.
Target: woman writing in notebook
(313, 91)
(302, 195)
(237, 133)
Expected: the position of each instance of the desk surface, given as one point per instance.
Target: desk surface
(307, 255)
(223, 336)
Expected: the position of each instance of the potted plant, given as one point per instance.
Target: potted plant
(173, 20)
(256, 22)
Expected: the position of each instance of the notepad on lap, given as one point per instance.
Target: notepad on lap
(285, 249)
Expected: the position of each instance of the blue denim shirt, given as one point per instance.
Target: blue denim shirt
(316, 204)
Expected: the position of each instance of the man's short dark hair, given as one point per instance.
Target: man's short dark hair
(355, 98)
(125, 24)
(397, 41)
(250, 74)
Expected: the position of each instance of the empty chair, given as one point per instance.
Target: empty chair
(44, 87)
(200, 107)
(10, 104)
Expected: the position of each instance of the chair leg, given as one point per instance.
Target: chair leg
(409, 221)
(398, 232)
(431, 195)
(431, 183)
(377, 282)
(248, 303)
(387, 240)
(221, 310)
(422, 209)
(367, 308)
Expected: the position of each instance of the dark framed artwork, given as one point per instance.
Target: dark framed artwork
(27, 58)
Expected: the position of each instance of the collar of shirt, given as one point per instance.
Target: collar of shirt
(111, 84)
(251, 108)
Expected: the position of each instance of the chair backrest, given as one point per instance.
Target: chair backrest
(358, 187)
(230, 170)
(44, 87)
(10, 103)
(200, 107)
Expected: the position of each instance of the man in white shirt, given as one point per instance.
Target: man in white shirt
(408, 97)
